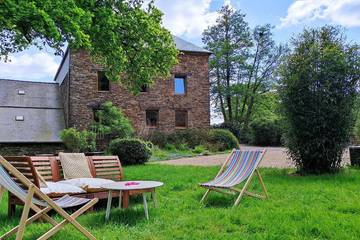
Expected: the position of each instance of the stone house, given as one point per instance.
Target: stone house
(178, 102)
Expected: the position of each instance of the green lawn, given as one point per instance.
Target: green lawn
(325, 207)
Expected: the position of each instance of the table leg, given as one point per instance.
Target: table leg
(120, 199)
(125, 199)
(145, 207)
(153, 195)
(108, 206)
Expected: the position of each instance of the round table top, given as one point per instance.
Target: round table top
(132, 185)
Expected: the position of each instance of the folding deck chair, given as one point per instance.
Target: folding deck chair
(238, 167)
(12, 180)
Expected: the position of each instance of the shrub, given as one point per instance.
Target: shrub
(199, 149)
(266, 132)
(318, 90)
(190, 137)
(78, 141)
(111, 122)
(234, 127)
(130, 150)
(221, 140)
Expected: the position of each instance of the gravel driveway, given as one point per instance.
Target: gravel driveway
(275, 157)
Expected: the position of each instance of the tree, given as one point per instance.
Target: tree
(123, 37)
(228, 39)
(319, 86)
(243, 64)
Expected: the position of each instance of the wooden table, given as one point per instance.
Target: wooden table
(125, 187)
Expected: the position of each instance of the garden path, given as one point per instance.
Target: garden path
(275, 157)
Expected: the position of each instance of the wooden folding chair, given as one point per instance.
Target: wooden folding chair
(238, 167)
(16, 183)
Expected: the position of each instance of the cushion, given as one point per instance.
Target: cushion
(75, 165)
(59, 189)
(87, 184)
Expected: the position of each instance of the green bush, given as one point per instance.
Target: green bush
(234, 127)
(111, 122)
(221, 140)
(266, 132)
(190, 137)
(318, 90)
(130, 150)
(78, 141)
(199, 149)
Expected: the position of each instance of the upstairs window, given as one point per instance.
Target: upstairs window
(181, 118)
(179, 85)
(103, 82)
(152, 118)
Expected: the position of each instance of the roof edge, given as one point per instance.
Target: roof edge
(61, 63)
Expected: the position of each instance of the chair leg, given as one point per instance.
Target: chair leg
(25, 214)
(11, 207)
(262, 183)
(29, 221)
(2, 191)
(58, 227)
(243, 190)
(205, 196)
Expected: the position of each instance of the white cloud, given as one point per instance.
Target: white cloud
(187, 17)
(343, 12)
(39, 66)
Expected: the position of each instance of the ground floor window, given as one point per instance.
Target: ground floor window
(181, 118)
(152, 118)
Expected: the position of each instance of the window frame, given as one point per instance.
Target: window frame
(186, 118)
(157, 120)
(183, 76)
(98, 81)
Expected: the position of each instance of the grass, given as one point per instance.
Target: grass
(312, 207)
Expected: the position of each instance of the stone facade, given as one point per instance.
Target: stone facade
(80, 94)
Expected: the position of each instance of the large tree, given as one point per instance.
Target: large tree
(243, 64)
(228, 39)
(121, 35)
(318, 90)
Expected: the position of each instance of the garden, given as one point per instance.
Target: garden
(313, 207)
(304, 97)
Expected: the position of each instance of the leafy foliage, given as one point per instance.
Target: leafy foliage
(190, 137)
(266, 132)
(243, 64)
(221, 140)
(78, 141)
(111, 122)
(318, 91)
(130, 151)
(122, 36)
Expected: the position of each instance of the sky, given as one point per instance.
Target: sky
(189, 18)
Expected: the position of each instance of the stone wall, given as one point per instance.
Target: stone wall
(30, 149)
(84, 95)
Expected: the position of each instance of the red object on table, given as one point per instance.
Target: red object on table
(131, 183)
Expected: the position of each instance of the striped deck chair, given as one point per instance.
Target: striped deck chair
(15, 182)
(238, 167)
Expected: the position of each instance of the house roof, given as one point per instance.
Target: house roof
(186, 46)
(39, 104)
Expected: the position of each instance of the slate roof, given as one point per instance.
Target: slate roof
(186, 46)
(39, 104)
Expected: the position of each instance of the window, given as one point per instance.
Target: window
(179, 85)
(181, 118)
(19, 118)
(21, 92)
(103, 82)
(152, 118)
(144, 88)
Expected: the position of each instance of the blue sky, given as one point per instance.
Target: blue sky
(188, 19)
